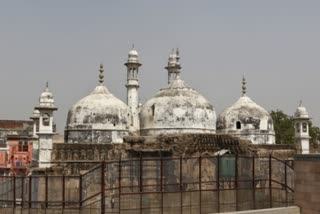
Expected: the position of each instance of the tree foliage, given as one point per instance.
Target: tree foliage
(314, 133)
(283, 127)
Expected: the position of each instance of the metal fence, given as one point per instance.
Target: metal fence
(204, 184)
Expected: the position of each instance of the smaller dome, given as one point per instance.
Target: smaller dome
(46, 98)
(133, 52)
(35, 114)
(133, 56)
(172, 61)
(244, 110)
(301, 112)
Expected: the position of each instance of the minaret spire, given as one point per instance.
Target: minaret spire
(244, 86)
(47, 86)
(101, 74)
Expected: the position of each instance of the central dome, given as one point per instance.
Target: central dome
(99, 117)
(177, 109)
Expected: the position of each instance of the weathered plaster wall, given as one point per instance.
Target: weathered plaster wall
(95, 136)
(307, 183)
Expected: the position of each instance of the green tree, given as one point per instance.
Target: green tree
(283, 127)
(314, 133)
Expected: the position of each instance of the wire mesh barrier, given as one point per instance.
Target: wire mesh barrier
(205, 184)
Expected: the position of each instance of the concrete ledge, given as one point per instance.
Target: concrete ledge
(282, 210)
(307, 157)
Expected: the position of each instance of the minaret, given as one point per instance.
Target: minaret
(46, 108)
(301, 124)
(132, 86)
(174, 66)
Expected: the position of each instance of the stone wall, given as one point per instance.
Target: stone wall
(307, 183)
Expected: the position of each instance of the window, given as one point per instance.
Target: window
(304, 127)
(238, 125)
(227, 167)
(23, 146)
(298, 127)
(46, 120)
(153, 109)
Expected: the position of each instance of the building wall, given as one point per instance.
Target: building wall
(3, 158)
(95, 136)
(307, 183)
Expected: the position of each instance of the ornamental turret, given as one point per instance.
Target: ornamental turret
(301, 124)
(45, 108)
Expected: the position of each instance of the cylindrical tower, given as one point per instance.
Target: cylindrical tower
(132, 86)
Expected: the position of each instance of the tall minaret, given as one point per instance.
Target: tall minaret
(173, 65)
(133, 85)
(301, 124)
(46, 108)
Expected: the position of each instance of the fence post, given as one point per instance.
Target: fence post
(285, 181)
(46, 190)
(218, 181)
(14, 190)
(253, 183)
(140, 182)
(236, 182)
(63, 191)
(270, 181)
(161, 181)
(103, 166)
(119, 181)
(181, 196)
(80, 191)
(200, 160)
(30, 190)
(22, 190)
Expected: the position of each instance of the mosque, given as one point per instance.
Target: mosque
(102, 118)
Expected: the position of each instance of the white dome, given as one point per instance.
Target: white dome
(177, 109)
(301, 112)
(99, 117)
(99, 110)
(133, 52)
(46, 98)
(245, 111)
(246, 118)
(36, 114)
(133, 56)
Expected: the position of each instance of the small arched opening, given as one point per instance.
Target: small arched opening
(238, 125)
(46, 120)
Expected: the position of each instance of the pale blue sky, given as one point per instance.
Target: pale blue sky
(274, 43)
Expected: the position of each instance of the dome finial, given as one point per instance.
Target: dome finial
(101, 75)
(244, 86)
(300, 103)
(47, 86)
(178, 60)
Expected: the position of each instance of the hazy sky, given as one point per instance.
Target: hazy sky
(274, 43)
